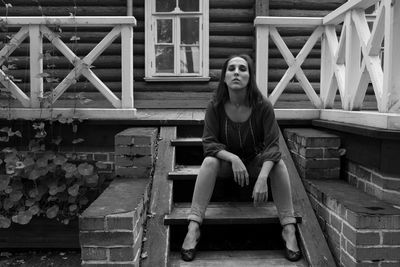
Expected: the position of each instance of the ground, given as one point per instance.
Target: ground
(40, 258)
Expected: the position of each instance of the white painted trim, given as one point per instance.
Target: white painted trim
(36, 65)
(365, 118)
(150, 41)
(92, 21)
(262, 39)
(177, 79)
(337, 16)
(127, 66)
(287, 21)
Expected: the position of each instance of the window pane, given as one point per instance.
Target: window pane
(165, 5)
(164, 31)
(190, 31)
(164, 59)
(190, 59)
(189, 5)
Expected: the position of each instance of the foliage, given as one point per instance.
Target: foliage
(43, 182)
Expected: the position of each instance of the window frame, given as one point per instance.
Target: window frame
(151, 40)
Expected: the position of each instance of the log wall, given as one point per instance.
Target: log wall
(231, 32)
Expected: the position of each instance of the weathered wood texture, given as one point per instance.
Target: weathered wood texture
(231, 32)
(316, 249)
(157, 244)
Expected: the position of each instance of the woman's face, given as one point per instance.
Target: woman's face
(237, 74)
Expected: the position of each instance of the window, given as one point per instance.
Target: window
(176, 39)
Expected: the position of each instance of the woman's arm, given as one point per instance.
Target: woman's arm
(240, 174)
(260, 191)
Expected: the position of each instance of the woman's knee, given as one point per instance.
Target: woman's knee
(211, 163)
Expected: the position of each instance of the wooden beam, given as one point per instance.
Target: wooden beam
(388, 121)
(262, 42)
(127, 66)
(189, 115)
(261, 7)
(391, 79)
(288, 21)
(316, 249)
(70, 21)
(157, 244)
(337, 16)
(36, 65)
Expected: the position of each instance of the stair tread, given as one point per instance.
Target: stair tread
(186, 141)
(248, 258)
(187, 172)
(228, 213)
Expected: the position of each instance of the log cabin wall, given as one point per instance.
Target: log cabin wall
(231, 31)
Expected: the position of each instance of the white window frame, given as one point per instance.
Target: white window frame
(150, 40)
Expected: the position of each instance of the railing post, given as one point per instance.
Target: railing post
(352, 61)
(262, 36)
(127, 66)
(391, 75)
(36, 65)
(326, 71)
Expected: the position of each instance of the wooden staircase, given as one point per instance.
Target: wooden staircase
(234, 231)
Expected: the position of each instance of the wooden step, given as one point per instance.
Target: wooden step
(187, 141)
(228, 213)
(182, 172)
(248, 258)
(187, 173)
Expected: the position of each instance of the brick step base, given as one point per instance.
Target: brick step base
(361, 229)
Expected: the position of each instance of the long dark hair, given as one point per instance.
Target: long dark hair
(254, 95)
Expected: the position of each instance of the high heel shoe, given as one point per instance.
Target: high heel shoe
(189, 254)
(290, 254)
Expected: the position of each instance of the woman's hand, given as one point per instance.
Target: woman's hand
(260, 191)
(240, 174)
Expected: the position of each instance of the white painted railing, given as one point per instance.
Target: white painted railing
(38, 27)
(348, 64)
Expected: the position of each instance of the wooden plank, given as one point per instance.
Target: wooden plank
(388, 121)
(261, 7)
(183, 173)
(71, 21)
(288, 21)
(127, 66)
(257, 258)
(262, 37)
(309, 4)
(391, 87)
(336, 16)
(15, 41)
(152, 115)
(188, 141)
(36, 65)
(316, 250)
(14, 90)
(104, 90)
(353, 58)
(157, 244)
(231, 14)
(228, 213)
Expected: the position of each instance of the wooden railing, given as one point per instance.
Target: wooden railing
(348, 64)
(38, 27)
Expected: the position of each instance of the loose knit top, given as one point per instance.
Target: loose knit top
(259, 134)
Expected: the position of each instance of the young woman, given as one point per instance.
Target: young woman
(241, 140)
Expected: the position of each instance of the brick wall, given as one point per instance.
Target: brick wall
(111, 229)
(316, 153)
(360, 230)
(134, 152)
(373, 182)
